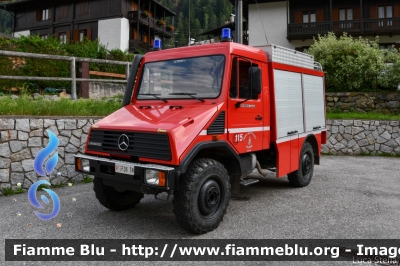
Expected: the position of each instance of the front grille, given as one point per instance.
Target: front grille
(146, 145)
(218, 126)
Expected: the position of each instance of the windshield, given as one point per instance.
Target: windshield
(191, 78)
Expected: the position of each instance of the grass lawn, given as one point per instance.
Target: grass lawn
(64, 107)
(25, 105)
(362, 116)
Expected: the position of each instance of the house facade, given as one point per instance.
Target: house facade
(294, 23)
(118, 24)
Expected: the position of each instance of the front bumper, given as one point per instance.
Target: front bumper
(105, 169)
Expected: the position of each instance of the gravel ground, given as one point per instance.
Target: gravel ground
(348, 198)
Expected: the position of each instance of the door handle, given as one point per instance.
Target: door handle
(258, 117)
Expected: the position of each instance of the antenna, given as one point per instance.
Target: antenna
(258, 9)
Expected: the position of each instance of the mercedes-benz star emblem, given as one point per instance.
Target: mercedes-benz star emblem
(123, 142)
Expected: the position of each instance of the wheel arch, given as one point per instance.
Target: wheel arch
(217, 150)
(314, 144)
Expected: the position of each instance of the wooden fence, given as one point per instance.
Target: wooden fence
(73, 60)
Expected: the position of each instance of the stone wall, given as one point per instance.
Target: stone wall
(21, 140)
(350, 137)
(385, 102)
(99, 90)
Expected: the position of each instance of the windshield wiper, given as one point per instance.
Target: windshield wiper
(188, 94)
(154, 95)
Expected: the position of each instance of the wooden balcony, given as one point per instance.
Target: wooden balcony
(304, 30)
(381, 26)
(353, 26)
(385, 25)
(135, 45)
(136, 16)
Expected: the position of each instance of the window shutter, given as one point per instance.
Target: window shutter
(356, 12)
(38, 15)
(396, 10)
(76, 35)
(50, 13)
(134, 6)
(298, 16)
(68, 36)
(320, 15)
(373, 12)
(89, 33)
(335, 14)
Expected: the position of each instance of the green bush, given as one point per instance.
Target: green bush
(350, 64)
(390, 77)
(44, 67)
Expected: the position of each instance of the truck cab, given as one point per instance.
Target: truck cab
(195, 121)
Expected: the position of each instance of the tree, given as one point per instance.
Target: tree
(349, 64)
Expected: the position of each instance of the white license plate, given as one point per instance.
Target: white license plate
(124, 169)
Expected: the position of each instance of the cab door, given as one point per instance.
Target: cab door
(245, 110)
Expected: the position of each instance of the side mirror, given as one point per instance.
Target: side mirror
(255, 80)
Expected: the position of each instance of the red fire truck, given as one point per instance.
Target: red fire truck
(197, 120)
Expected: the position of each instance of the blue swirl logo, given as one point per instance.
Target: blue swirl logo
(48, 168)
(43, 154)
(35, 202)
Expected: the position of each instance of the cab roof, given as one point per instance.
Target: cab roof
(225, 48)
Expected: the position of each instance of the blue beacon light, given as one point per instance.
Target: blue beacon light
(226, 35)
(157, 45)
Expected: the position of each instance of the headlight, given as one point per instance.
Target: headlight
(82, 164)
(154, 177)
(85, 165)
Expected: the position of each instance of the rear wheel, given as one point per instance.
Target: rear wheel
(115, 199)
(302, 177)
(203, 196)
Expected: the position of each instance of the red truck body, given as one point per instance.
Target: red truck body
(239, 132)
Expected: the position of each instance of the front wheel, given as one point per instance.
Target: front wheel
(115, 199)
(203, 196)
(302, 177)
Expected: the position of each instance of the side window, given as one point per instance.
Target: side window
(43, 14)
(239, 87)
(63, 37)
(79, 35)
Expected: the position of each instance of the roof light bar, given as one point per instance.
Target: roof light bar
(226, 35)
(157, 45)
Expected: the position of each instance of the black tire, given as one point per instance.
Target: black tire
(114, 200)
(302, 177)
(203, 196)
